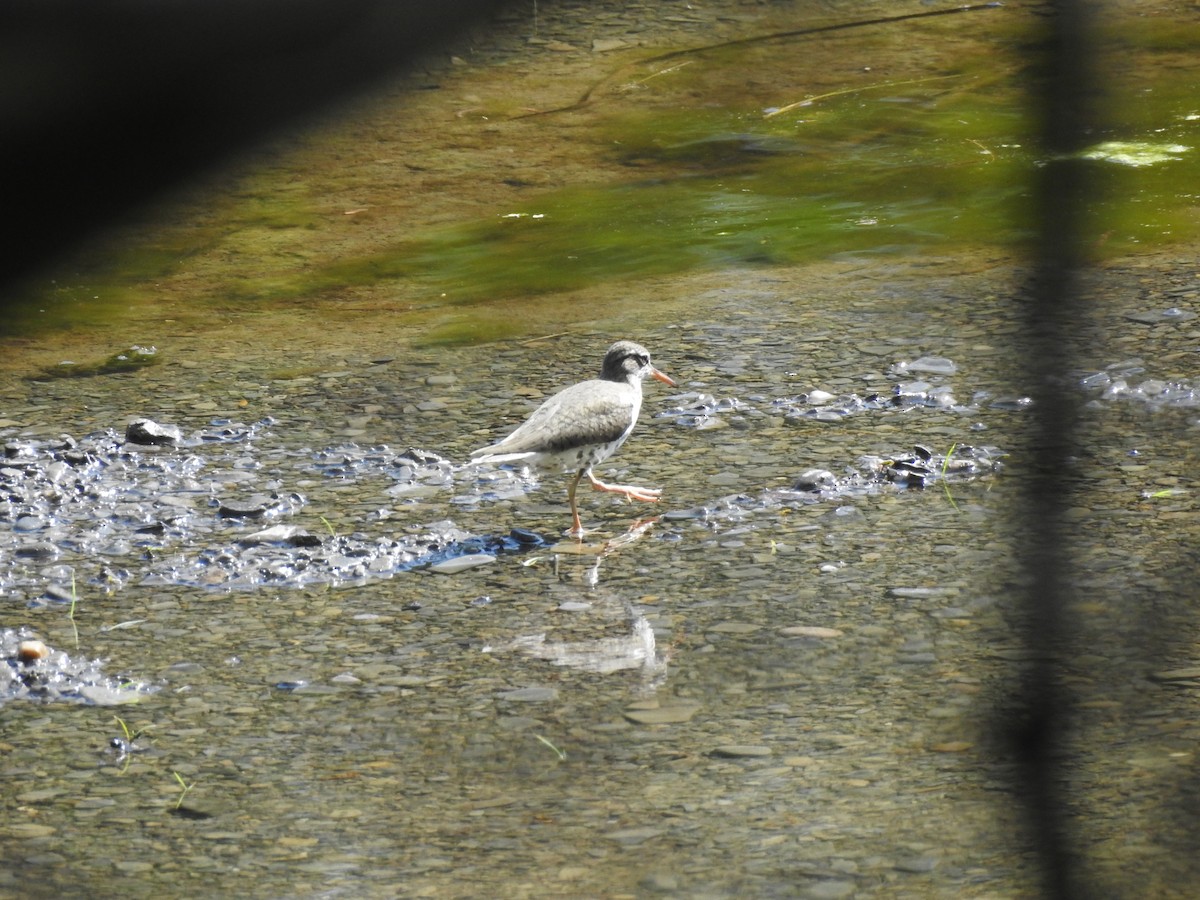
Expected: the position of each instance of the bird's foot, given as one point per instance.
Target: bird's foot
(648, 495)
(576, 530)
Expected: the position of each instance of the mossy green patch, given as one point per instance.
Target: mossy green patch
(131, 360)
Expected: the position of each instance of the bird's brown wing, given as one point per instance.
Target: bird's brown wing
(592, 412)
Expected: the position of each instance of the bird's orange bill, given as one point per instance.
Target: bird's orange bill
(665, 379)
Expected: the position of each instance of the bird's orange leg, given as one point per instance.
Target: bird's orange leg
(576, 526)
(649, 495)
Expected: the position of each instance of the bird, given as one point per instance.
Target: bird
(583, 425)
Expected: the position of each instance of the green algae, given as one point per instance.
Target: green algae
(732, 156)
(133, 359)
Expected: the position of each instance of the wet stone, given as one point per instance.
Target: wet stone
(292, 535)
(529, 695)
(668, 714)
(58, 593)
(814, 480)
(633, 837)
(829, 890)
(147, 432)
(40, 550)
(1169, 316)
(742, 751)
(252, 507)
(917, 865)
(735, 628)
(462, 563)
(934, 365)
(915, 593)
(814, 631)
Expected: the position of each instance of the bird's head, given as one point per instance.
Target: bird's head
(630, 362)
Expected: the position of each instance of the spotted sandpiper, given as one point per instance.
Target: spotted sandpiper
(583, 425)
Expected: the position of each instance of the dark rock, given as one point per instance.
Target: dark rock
(144, 431)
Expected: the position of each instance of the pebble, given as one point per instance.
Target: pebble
(41, 550)
(529, 695)
(146, 432)
(815, 631)
(633, 837)
(829, 890)
(915, 593)
(276, 534)
(742, 751)
(30, 652)
(950, 612)
(28, 830)
(918, 865)
(936, 365)
(1171, 315)
(735, 628)
(252, 507)
(669, 714)
(814, 480)
(462, 563)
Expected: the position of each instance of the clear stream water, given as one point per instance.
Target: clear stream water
(786, 684)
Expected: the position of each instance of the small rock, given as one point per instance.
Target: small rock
(254, 507)
(917, 865)
(529, 695)
(951, 747)
(292, 535)
(38, 550)
(144, 431)
(30, 652)
(829, 890)
(735, 628)
(814, 480)
(461, 563)
(937, 365)
(604, 45)
(1160, 316)
(815, 631)
(663, 715)
(631, 837)
(742, 751)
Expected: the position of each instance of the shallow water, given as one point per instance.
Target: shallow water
(815, 711)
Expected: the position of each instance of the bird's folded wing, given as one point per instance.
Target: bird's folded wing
(594, 412)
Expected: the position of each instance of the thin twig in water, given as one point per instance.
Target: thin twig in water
(543, 337)
(809, 101)
(586, 98)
